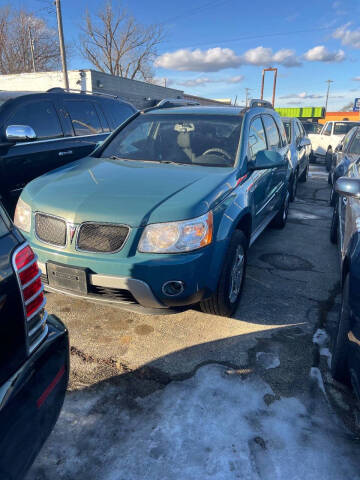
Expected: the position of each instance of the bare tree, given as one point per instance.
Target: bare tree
(114, 42)
(15, 48)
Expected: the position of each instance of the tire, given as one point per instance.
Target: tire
(334, 227)
(305, 175)
(282, 215)
(328, 159)
(333, 197)
(329, 179)
(226, 298)
(312, 158)
(293, 186)
(340, 342)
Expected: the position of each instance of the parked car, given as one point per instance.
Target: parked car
(346, 153)
(345, 365)
(34, 356)
(162, 214)
(43, 131)
(300, 149)
(311, 127)
(324, 143)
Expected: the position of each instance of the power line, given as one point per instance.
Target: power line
(251, 37)
(194, 10)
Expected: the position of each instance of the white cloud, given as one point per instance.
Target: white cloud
(347, 36)
(202, 81)
(216, 59)
(321, 54)
(356, 79)
(302, 96)
(211, 60)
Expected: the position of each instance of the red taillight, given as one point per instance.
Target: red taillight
(25, 256)
(30, 281)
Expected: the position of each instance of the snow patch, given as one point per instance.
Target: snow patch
(211, 426)
(320, 337)
(267, 360)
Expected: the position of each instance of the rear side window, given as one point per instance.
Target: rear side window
(257, 141)
(83, 117)
(341, 128)
(116, 112)
(272, 132)
(41, 116)
(298, 133)
(287, 126)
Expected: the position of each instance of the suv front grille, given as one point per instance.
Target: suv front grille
(50, 229)
(102, 237)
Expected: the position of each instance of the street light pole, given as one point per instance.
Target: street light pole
(61, 42)
(329, 82)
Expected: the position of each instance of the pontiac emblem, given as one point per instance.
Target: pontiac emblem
(72, 230)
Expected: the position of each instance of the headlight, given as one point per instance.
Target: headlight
(177, 237)
(22, 218)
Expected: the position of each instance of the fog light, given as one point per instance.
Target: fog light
(173, 288)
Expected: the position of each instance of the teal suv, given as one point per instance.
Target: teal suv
(162, 214)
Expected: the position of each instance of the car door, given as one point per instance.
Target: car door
(278, 174)
(325, 139)
(261, 179)
(26, 160)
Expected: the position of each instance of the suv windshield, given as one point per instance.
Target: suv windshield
(210, 140)
(341, 128)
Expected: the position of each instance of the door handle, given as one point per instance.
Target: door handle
(345, 200)
(67, 152)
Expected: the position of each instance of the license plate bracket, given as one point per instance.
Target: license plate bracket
(67, 277)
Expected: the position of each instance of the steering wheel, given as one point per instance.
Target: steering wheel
(217, 150)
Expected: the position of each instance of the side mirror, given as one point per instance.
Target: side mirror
(266, 159)
(348, 187)
(20, 133)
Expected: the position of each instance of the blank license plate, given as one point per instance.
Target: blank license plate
(68, 278)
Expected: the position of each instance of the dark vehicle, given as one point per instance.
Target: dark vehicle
(346, 153)
(175, 198)
(311, 127)
(300, 149)
(34, 356)
(43, 131)
(345, 230)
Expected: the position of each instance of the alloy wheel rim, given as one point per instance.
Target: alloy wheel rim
(236, 276)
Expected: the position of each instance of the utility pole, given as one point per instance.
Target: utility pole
(329, 82)
(61, 42)
(32, 50)
(247, 90)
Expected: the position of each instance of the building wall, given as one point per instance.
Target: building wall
(39, 81)
(352, 116)
(140, 94)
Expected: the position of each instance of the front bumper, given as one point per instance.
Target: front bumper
(134, 280)
(31, 400)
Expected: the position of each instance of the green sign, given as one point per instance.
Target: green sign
(302, 112)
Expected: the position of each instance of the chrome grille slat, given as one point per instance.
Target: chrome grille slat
(32, 280)
(38, 325)
(37, 342)
(31, 299)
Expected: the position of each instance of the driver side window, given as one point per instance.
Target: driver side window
(257, 140)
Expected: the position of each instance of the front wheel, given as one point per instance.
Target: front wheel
(226, 298)
(340, 341)
(282, 215)
(305, 175)
(293, 186)
(328, 160)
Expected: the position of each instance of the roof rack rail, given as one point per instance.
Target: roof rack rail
(256, 102)
(171, 103)
(60, 89)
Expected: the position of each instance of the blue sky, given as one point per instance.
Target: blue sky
(218, 48)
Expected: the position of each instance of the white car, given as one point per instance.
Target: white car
(325, 142)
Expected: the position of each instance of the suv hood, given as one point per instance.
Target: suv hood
(132, 192)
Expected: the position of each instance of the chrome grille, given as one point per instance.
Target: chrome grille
(102, 237)
(50, 229)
